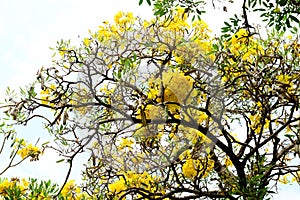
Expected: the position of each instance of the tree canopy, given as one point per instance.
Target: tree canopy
(165, 110)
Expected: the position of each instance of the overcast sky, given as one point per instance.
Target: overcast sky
(29, 27)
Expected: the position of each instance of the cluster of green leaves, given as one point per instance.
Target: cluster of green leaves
(195, 8)
(231, 27)
(283, 14)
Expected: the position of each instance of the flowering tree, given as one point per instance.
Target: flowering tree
(165, 111)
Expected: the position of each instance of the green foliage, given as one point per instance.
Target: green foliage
(281, 14)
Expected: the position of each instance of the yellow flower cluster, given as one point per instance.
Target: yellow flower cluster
(117, 187)
(123, 22)
(228, 162)
(256, 123)
(124, 19)
(71, 191)
(203, 164)
(79, 98)
(190, 39)
(284, 179)
(290, 178)
(190, 168)
(245, 46)
(287, 82)
(284, 79)
(131, 179)
(155, 112)
(174, 89)
(87, 42)
(179, 21)
(177, 88)
(197, 167)
(126, 143)
(47, 95)
(29, 150)
(6, 185)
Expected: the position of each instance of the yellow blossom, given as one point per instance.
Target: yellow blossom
(69, 188)
(126, 142)
(46, 95)
(284, 179)
(29, 150)
(86, 42)
(277, 9)
(190, 167)
(228, 162)
(117, 186)
(285, 79)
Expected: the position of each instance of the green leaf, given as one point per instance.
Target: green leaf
(215, 47)
(59, 161)
(45, 143)
(295, 19)
(282, 2)
(160, 12)
(1, 125)
(259, 9)
(140, 2)
(12, 153)
(199, 12)
(295, 31)
(265, 4)
(225, 29)
(254, 4)
(289, 135)
(149, 2)
(287, 21)
(227, 24)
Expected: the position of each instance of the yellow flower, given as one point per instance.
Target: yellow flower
(284, 179)
(69, 188)
(126, 142)
(124, 20)
(240, 36)
(189, 168)
(285, 79)
(118, 16)
(179, 59)
(178, 87)
(277, 9)
(25, 183)
(228, 162)
(62, 52)
(46, 95)
(117, 186)
(29, 150)
(86, 42)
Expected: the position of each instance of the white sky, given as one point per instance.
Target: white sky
(27, 30)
